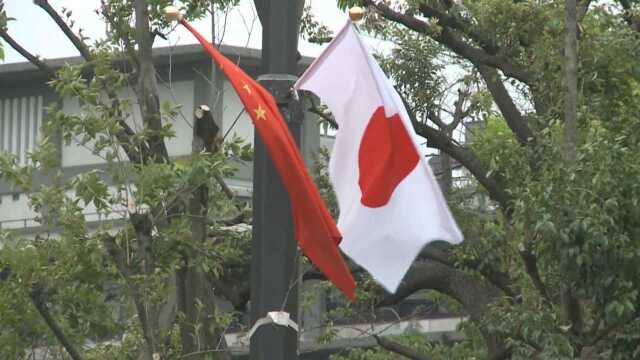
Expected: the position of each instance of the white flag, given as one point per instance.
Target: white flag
(390, 202)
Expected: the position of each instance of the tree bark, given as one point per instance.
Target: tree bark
(147, 88)
(37, 298)
(448, 37)
(570, 304)
(507, 106)
(199, 331)
(118, 257)
(471, 292)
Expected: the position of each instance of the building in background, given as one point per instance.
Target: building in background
(184, 77)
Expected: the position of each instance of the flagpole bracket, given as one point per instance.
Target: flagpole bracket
(280, 86)
(280, 318)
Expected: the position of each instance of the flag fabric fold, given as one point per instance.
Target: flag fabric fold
(315, 230)
(390, 203)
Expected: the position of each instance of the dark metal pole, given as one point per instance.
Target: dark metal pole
(274, 264)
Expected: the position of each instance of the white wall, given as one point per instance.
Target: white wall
(230, 109)
(13, 212)
(180, 92)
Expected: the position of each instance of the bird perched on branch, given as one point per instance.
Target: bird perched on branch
(205, 131)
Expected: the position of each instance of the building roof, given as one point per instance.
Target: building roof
(163, 56)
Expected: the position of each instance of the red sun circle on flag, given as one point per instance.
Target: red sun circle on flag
(386, 156)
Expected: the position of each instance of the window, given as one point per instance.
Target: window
(20, 121)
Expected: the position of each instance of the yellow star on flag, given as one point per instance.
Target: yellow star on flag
(248, 88)
(260, 113)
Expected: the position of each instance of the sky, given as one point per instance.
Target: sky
(39, 34)
(35, 31)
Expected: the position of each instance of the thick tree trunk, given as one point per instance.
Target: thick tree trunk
(199, 332)
(147, 89)
(446, 175)
(570, 304)
(472, 293)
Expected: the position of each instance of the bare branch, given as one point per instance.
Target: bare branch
(431, 115)
(77, 42)
(507, 107)
(26, 54)
(459, 113)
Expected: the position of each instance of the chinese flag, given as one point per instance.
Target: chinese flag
(315, 230)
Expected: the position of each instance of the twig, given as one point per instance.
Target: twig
(77, 42)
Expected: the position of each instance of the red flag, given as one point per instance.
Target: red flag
(315, 230)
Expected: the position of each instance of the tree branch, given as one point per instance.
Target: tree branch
(77, 42)
(463, 25)
(128, 46)
(431, 115)
(399, 349)
(127, 132)
(119, 259)
(472, 294)
(531, 267)
(324, 116)
(459, 113)
(507, 107)
(147, 88)
(198, 327)
(477, 56)
(570, 82)
(442, 252)
(26, 54)
(439, 140)
(632, 20)
(583, 8)
(37, 298)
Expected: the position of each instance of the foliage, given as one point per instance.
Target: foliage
(95, 280)
(576, 223)
(313, 30)
(549, 265)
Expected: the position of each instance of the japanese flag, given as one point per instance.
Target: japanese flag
(390, 203)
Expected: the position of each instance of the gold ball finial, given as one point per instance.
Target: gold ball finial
(172, 13)
(356, 13)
